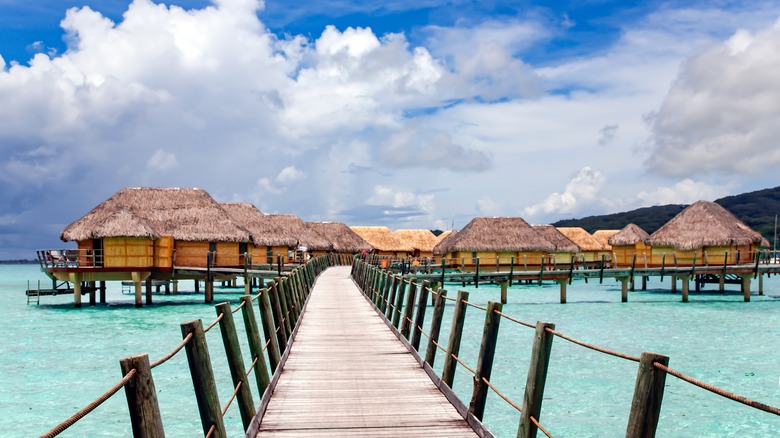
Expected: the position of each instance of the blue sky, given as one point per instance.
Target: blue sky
(406, 114)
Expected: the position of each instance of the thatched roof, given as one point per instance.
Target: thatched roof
(340, 236)
(603, 238)
(185, 214)
(582, 238)
(442, 240)
(705, 224)
(629, 235)
(265, 230)
(497, 234)
(382, 239)
(421, 240)
(561, 242)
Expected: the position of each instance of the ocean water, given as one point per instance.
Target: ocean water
(55, 359)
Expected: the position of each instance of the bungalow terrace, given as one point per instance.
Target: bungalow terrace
(341, 238)
(421, 240)
(384, 241)
(565, 249)
(628, 242)
(707, 232)
(497, 241)
(590, 249)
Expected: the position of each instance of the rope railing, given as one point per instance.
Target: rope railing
(211, 431)
(265, 346)
(457, 359)
(255, 297)
(593, 347)
(238, 308)
(58, 429)
(252, 367)
(178, 348)
(232, 397)
(504, 315)
(476, 306)
(216, 321)
(539, 426)
(500, 394)
(719, 391)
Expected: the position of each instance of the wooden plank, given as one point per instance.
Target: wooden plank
(348, 375)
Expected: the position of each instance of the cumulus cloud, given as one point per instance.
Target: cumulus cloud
(686, 191)
(290, 175)
(488, 207)
(580, 191)
(722, 114)
(162, 161)
(416, 146)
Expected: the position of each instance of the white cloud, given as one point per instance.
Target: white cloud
(385, 195)
(686, 191)
(162, 161)
(290, 175)
(723, 112)
(581, 190)
(417, 145)
(488, 207)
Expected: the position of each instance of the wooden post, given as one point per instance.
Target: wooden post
(406, 324)
(103, 292)
(209, 298)
(476, 275)
(745, 286)
(285, 309)
(276, 307)
(453, 347)
(266, 314)
(399, 299)
(674, 284)
(438, 313)
(148, 290)
(644, 282)
(391, 298)
(255, 345)
(227, 328)
(487, 351)
(722, 283)
(203, 379)
(685, 286)
(142, 397)
(197, 285)
(92, 294)
(504, 285)
(761, 284)
(511, 270)
(563, 284)
(648, 395)
(537, 377)
(136, 276)
(419, 318)
(623, 289)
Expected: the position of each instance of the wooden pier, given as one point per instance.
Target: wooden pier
(348, 375)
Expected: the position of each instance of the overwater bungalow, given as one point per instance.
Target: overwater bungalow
(591, 249)
(342, 239)
(628, 242)
(565, 249)
(707, 232)
(384, 241)
(602, 236)
(421, 240)
(442, 240)
(496, 241)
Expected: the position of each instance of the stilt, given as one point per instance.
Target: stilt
(209, 291)
(175, 287)
(644, 283)
(624, 289)
(197, 286)
(761, 284)
(103, 292)
(75, 278)
(233, 282)
(92, 293)
(247, 286)
(136, 276)
(674, 284)
(149, 290)
(563, 284)
(697, 283)
(746, 287)
(631, 285)
(722, 283)
(684, 279)
(503, 284)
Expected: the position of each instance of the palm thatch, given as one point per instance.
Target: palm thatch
(705, 224)
(582, 238)
(265, 231)
(421, 240)
(341, 237)
(382, 239)
(442, 240)
(186, 214)
(603, 238)
(498, 234)
(561, 242)
(629, 235)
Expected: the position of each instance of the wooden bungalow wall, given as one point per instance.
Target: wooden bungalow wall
(716, 255)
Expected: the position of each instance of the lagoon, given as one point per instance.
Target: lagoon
(55, 359)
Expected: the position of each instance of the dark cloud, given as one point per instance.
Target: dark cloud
(416, 147)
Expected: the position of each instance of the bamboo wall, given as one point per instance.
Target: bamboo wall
(715, 255)
(228, 255)
(192, 254)
(491, 258)
(126, 252)
(163, 252)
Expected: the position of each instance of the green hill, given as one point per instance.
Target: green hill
(756, 209)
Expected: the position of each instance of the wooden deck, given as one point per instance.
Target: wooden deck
(348, 375)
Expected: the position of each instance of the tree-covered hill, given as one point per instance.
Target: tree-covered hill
(756, 209)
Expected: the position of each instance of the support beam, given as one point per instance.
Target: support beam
(504, 285)
(685, 286)
(746, 286)
(136, 276)
(75, 278)
(623, 289)
(674, 284)
(563, 284)
(149, 291)
(103, 292)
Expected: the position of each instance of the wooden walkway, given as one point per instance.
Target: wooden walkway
(348, 375)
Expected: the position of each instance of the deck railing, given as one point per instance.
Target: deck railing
(405, 314)
(281, 304)
(70, 258)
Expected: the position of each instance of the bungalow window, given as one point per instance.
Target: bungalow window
(242, 248)
(474, 257)
(269, 253)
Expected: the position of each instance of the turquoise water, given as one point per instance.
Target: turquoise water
(55, 359)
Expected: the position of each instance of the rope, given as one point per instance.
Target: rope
(254, 362)
(593, 347)
(238, 308)
(178, 348)
(474, 305)
(232, 397)
(464, 365)
(527, 324)
(716, 390)
(423, 332)
(450, 298)
(439, 346)
(257, 296)
(265, 347)
(498, 393)
(58, 429)
(211, 431)
(544, 431)
(219, 318)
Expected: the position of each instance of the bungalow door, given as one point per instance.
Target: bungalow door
(96, 255)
